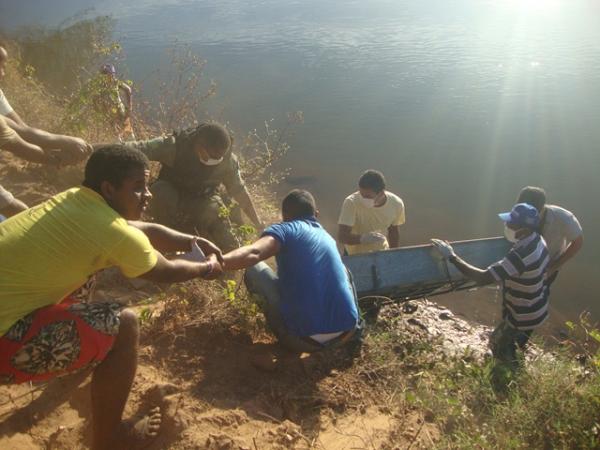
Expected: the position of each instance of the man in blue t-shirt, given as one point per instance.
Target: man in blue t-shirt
(310, 304)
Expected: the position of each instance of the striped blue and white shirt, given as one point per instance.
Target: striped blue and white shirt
(522, 273)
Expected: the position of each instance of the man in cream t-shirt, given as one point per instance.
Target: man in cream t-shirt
(559, 227)
(371, 217)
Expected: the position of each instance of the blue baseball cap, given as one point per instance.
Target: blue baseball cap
(522, 214)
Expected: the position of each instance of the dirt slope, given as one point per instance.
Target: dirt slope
(196, 363)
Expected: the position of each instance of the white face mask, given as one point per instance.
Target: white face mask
(367, 202)
(211, 162)
(510, 234)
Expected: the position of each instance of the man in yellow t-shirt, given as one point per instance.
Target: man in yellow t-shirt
(51, 249)
(371, 217)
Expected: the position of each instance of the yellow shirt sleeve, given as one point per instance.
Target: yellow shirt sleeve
(348, 213)
(400, 215)
(134, 254)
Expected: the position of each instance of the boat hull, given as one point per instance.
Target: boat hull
(412, 272)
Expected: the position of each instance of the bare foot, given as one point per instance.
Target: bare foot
(139, 433)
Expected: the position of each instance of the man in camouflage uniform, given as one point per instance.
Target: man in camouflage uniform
(195, 164)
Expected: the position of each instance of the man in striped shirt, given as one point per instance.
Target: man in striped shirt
(522, 275)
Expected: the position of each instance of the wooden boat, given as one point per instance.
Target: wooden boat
(413, 272)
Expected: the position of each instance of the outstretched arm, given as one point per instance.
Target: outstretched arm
(173, 271)
(13, 208)
(23, 149)
(167, 240)
(243, 198)
(73, 149)
(249, 255)
(476, 274)
(15, 117)
(445, 251)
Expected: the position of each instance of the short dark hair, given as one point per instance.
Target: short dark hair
(533, 195)
(112, 163)
(372, 179)
(213, 136)
(298, 203)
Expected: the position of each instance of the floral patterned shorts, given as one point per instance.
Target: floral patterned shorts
(58, 339)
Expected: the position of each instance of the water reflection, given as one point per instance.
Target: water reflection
(460, 103)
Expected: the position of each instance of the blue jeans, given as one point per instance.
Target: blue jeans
(263, 281)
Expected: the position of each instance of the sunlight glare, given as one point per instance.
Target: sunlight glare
(533, 6)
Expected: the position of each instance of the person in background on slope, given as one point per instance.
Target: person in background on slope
(112, 100)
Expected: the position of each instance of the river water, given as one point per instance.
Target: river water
(459, 102)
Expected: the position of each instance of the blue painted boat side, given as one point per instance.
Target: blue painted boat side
(406, 269)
